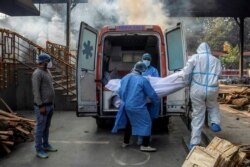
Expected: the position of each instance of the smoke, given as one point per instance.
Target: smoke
(96, 13)
(143, 12)
(30, 26)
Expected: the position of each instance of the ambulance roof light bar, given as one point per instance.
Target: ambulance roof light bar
(112, 27)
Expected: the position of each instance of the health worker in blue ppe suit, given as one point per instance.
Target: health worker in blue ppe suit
(133, 114)
(150, 70)
(203, 70)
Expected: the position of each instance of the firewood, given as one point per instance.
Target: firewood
(4, 137)
(11, 143)
(240, 102)
(33, 124)
(12, 123)
(6, 148)
(228, 99)
(14, 116)
(245, 149)
(200, 157)
(6, 132)
(4, 113)
(9, 119)
(22, 130)
(14, 128)
(230, 154)
(28, 120)
(6, 105)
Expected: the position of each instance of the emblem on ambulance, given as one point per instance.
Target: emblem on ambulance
(87, 49)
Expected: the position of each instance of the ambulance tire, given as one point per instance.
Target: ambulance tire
(160, 125)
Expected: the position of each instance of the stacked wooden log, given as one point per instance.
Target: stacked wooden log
(219, 153)
(239, 96)
(14, 129)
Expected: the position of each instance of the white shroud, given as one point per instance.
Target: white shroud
(162, 86)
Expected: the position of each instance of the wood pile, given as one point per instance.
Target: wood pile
(219, 153)
(14, 129)
(239, 96)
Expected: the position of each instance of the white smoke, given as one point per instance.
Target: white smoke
(143, 12)
(96, 13)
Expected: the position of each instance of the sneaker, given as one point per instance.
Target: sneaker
(124, 145)
(215, 127)
(42, 154)
(50, 149)
(147, 149)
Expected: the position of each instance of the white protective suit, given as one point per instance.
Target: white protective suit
(203, 70)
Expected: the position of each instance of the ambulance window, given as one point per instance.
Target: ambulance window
(174, 50)
(87, 49)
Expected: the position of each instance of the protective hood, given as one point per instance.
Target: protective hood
(203, 48)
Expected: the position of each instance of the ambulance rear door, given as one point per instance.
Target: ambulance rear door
(177, 103)
(85, 71)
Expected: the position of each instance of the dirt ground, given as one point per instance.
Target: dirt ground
(235, 125)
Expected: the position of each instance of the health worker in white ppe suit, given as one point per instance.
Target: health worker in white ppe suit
(203, 70)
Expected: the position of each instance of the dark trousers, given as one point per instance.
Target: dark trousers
(127, 135)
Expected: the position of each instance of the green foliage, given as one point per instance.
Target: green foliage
(214, 31)
(230, 60)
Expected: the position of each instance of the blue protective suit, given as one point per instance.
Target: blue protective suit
(151, 71)
(203, 70)
(133, 92)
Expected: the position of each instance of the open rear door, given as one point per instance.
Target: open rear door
(177, 103)
(85, 71)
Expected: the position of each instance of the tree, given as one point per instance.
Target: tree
(230, 60)
(214, 31)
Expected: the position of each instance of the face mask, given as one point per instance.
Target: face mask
(49, 65)
(146, 62)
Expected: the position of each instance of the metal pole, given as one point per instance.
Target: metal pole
(68, 25)
(241, 46)
(68, 40)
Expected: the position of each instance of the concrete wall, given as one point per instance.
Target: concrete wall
(9, 96)
(20, 97)
(24, 96)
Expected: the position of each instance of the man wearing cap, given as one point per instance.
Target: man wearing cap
(44, 94)
(150, 71)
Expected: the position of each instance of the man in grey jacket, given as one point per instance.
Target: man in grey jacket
(44, 94)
